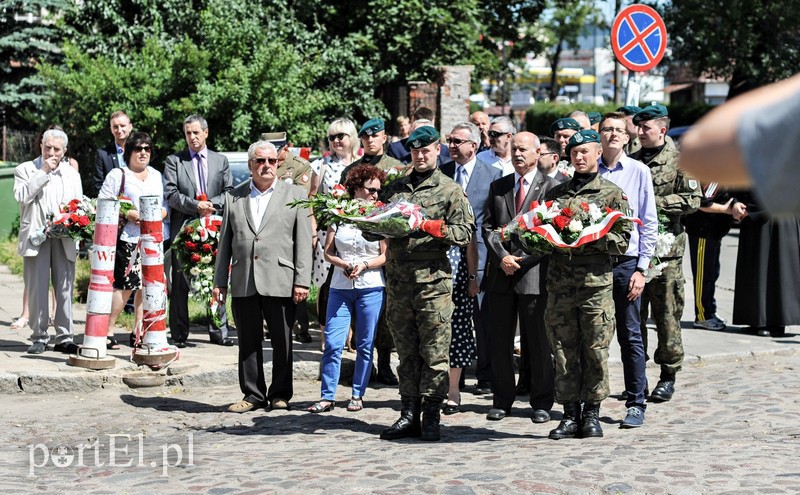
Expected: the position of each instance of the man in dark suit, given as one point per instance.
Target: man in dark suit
(268, 248)
(422, 116)
(515, 286)
(474, 176)
(109, 157)
(195, 183)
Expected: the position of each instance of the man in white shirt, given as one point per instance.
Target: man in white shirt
(501, 131)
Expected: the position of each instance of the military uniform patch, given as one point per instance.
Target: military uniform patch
(693, 184)
(578, 138)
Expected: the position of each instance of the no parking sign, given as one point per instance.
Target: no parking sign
(639, 37)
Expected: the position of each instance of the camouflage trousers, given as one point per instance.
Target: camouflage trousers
(665, 295)
(419, 315)
(580, 325)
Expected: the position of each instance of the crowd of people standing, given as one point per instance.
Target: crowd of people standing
(453, 292)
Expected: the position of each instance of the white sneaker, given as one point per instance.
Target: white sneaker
(709, 324)
(721, 320)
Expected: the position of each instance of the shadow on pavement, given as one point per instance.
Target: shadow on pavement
(171, 404)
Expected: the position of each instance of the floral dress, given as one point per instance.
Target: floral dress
(332, 167)
(462, 342)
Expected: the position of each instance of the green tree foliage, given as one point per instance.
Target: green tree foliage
(750, 43)
(26, 37)
(248, 69)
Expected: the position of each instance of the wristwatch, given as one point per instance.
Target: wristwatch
(641, 270)
(472, 276)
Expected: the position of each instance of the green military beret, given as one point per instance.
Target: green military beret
(565, 123)
(629, 109)
(583, 137)
(422, 137)
(650, 113)
(372, 126)
(594, 117)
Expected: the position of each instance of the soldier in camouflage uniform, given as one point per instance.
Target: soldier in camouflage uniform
(373, 140)
(580, 307)
(676, 196)
(419, 285)
(633, 144)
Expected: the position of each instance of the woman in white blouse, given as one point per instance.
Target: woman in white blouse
(343, 144)
(357, 289)
(137, 180)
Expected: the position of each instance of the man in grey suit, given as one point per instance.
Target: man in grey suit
(515, 288)
(268, 248)
(474, 176)
(195, 183)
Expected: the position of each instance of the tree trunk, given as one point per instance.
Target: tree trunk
(556, 58)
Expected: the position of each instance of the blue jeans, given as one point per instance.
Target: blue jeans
(343, 304)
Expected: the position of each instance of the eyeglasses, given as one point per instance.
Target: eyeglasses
(340, 136)
(456, 141)
(262, 161)
(141, 148)
(497, 134)
(609, 130)
(372, 190)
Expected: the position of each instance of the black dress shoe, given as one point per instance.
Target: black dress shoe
(303, 338)
(540, 416)
(66, 348)
(227, 342)
(663, 391)
(496, 414)
(483, 387)
(448, 408)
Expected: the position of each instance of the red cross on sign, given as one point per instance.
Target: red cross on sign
(639, 37)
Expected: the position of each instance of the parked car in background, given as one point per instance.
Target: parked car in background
(238, 162)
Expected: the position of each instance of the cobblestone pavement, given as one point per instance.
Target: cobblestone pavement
(731, 428)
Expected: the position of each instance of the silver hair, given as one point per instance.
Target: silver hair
(55, 134)
(474, 132)
(260, 145)
(196, 118)
(421, 123)
(505, 123)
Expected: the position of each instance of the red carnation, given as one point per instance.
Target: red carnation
(191, 246)
(202, 197)
(195, 258)
(74, 218)
(84, 221)
(561, 222)
(207, 248)
(534, 205)
(567, 212)
(537, 221)
(549, 204)
(73, 205)
(521, 223)
(584, 206)
(215, 253)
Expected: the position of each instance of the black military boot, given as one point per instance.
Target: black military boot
(665, 388)
(408, 425)
(430, 419)
(569, 426)
(590, 426)
(385, 374)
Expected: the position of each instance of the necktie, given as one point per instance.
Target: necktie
(520, 196)
(201, 177)
(461, 177)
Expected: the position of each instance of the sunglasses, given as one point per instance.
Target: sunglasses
(262, 161)
(141, 148)
(456, 141)
(496, 134)
(372, 190)
(340, 136)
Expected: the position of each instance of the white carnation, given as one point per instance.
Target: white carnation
(575, 225)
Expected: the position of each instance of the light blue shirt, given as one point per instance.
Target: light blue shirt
(120, 155)
(636, 181)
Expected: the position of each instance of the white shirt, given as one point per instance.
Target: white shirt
(135, 188)
(527, 184)
(468, 168)
(259, 202)
(353, 248)
(492, 159)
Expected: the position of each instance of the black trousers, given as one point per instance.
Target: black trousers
(506, 308)
(250, 313)
(704, 252)
(179, 308)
